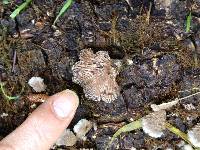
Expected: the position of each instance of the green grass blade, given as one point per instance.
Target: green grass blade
(5, 2)
(188, 22)
(20, 8)
(62, 11)
(7, 96)
(129, 127)
(178, 133)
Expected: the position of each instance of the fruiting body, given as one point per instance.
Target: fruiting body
(37, 83)
(194, 135)
(82, 128)
(94, 72)
(67, 138)
(154, 123)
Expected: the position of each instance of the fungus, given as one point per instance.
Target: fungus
(82, 128)
(187, 147)
(194, 135)
(37, 83)
(94, 72)
(164, 106)
(67, 138)
(3, 115)
(154, 123)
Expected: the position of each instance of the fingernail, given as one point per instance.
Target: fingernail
(65, 104)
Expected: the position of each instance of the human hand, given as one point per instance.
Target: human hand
(44, 126)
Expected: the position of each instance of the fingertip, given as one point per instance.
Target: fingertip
(73, 96)
(42, 128)
(64, 104)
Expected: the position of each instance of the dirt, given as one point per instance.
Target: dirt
(160, 62)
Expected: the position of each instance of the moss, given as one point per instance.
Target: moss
(4, 48)
(156, 37)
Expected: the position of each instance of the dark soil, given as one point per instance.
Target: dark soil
(164, 62)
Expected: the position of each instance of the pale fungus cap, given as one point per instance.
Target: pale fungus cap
(37, 83)
(67, 138)
(154, 123)
(164, 106)
(194, 135)
(82, 128)
(187, 147)
(94, 72)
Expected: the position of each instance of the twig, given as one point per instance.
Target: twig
(14, 61)
(149, 13)
(188, 96)
(129, 3)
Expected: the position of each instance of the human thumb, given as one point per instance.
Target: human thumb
(43, 127)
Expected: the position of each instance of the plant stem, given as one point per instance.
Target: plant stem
(178, 132)
(129, 127)
(20, 8)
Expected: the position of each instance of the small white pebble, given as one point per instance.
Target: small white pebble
(33, 21)
(4, 115)
(50, 14)
(129, 61)
(57, 33)
(82, 128)
(173, 115)
(15, 35)
(189, 106)
(169, 22)
(131, 119)
(37, 83)
(94, 136)
(33, 106)
(95, 126)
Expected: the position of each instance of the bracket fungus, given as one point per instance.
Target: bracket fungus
(82, 128)
(94, 72)
(37, 83)
(154, 123)
(67, 138)
(194, 135)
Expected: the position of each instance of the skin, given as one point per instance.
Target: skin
(43, 127)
